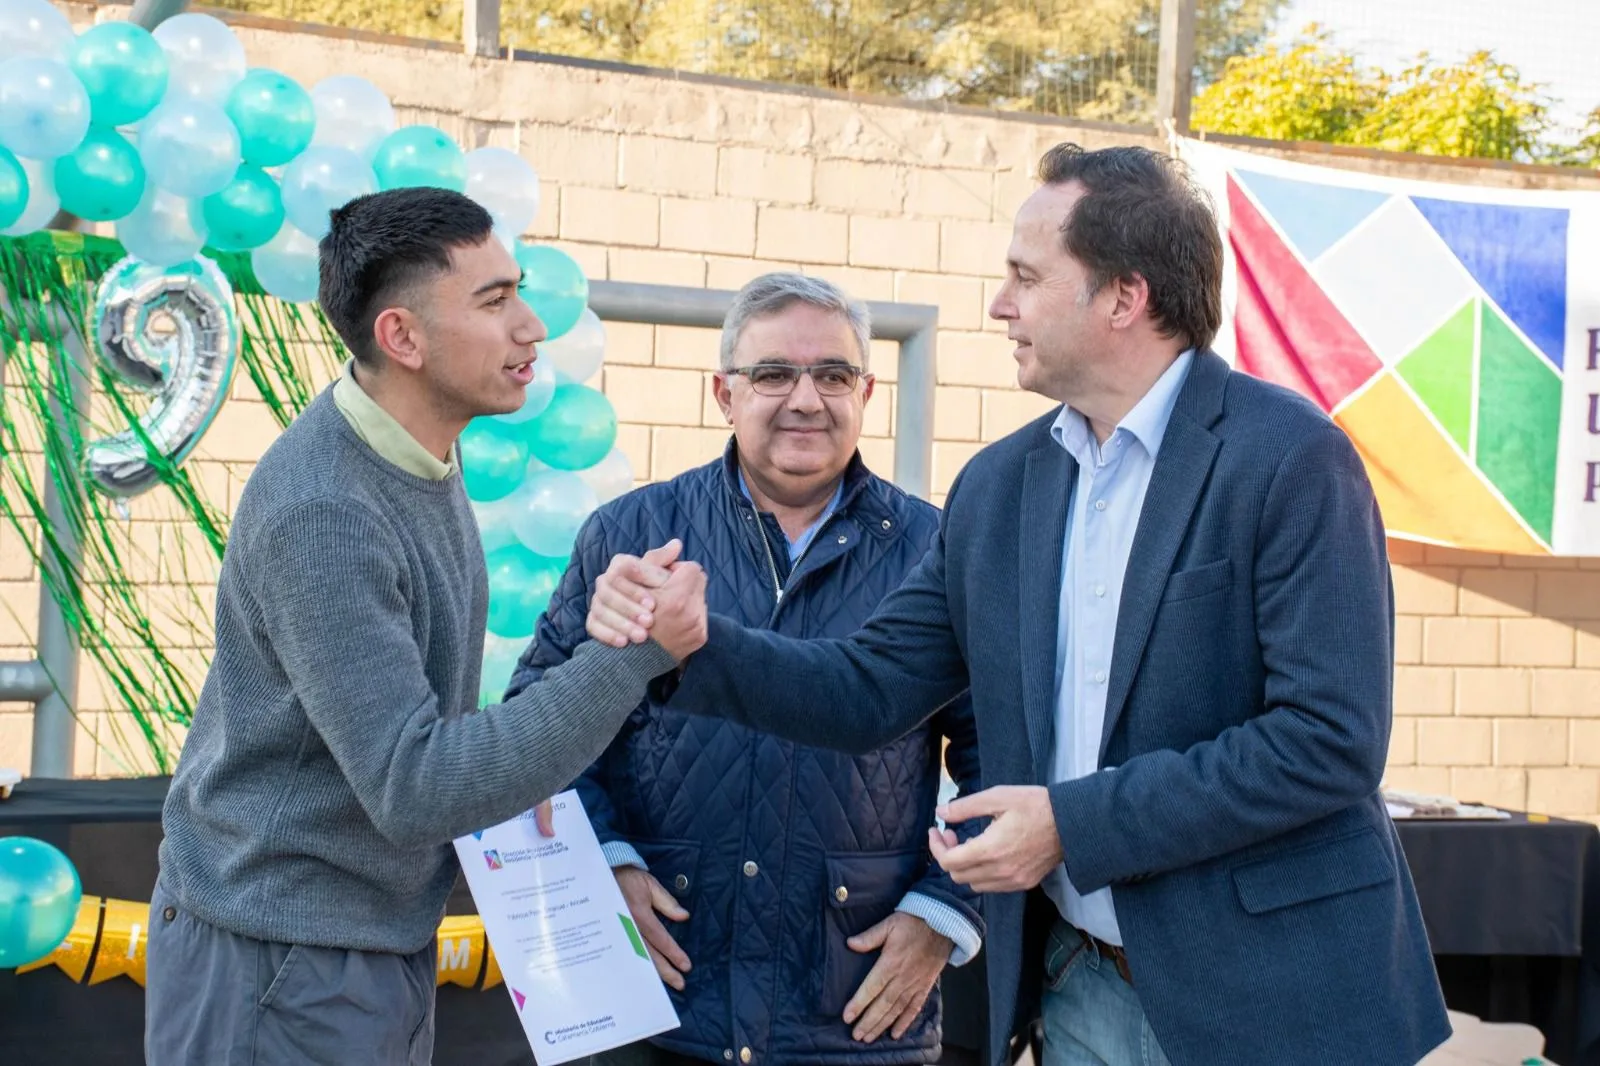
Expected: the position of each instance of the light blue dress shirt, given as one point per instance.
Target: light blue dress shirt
(1101, 519)
(941, 918)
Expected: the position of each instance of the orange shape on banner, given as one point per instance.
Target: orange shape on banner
(1424, 486)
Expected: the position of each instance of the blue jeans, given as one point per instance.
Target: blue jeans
(1092, 1017)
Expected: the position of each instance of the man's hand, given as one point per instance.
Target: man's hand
(623, 606)
(680, 624)
(898, 984)
(1017, 850)
(646, 897)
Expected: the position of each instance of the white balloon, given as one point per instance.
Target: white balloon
(320, 179)
(286, 266)
(505, 185)
(44, 108)
(610, 477)
(538, 393)
(352, 113)
(578, 353)
(204, 58)
(163, 230)
(34, 28)
(189, 147)
(549, 509)
(494, 524)
(43, 203)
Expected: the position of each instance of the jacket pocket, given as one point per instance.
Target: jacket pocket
(1198, 581)
(676, 864)
(863, 888)
(1317, 871)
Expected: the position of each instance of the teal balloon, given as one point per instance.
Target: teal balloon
(576, 431)
(39, 897)
(420, 155)
(494, 457)
(102, 179)
(14, 189)
(123, 69)
(520, 586)
(554, 285)
(246, 214)
(274, 116)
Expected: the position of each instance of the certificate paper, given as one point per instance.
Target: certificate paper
(575, 964)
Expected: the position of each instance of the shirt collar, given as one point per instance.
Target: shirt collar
(382, 432)
(1146, 423)
(811, 530)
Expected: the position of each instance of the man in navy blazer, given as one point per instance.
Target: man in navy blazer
(1172, 604)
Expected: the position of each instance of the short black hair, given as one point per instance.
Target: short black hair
(1142, 214)
(381, 244)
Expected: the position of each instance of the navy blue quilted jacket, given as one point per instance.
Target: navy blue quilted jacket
(778, 852)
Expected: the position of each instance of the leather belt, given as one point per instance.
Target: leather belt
(1110, 952)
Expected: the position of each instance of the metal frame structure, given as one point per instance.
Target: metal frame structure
(50, 681)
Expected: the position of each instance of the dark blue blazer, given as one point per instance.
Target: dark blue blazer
(1266, 907)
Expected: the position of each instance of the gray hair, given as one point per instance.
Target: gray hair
(771, 293)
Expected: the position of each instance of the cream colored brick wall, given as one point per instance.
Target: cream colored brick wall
(661, 180)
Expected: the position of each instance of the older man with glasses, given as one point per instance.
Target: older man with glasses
(786, 893)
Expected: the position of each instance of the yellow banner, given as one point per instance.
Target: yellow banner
(108, 938)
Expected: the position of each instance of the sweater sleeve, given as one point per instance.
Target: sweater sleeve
(336, 609)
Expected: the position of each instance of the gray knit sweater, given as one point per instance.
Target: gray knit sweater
(336, 748)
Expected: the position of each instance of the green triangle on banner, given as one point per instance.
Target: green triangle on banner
(1439, 371)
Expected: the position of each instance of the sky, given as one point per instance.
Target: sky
(1555, 43)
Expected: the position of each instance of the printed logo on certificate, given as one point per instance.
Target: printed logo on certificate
(575, 964)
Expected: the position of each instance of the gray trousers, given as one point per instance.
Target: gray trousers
(214, 998)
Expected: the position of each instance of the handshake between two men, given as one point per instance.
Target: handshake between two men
(659, 596)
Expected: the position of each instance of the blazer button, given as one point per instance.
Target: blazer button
(751, 869)
(841, 893)
(681, 882)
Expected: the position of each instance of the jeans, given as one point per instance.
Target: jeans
(1092, 1017)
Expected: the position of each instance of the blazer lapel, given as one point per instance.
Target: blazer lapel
(1182, 466)
(1046, 494)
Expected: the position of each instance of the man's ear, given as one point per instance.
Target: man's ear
(397, 331)
(723, 395)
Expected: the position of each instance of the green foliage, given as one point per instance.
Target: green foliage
(1313, 90)
(1093, 58)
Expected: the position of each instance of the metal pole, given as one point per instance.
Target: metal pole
(54, 719)
(1175, 65)
(480, 27)
(152, 13)
(913, 325)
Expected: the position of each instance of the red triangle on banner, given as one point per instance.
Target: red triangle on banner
(1288, 331)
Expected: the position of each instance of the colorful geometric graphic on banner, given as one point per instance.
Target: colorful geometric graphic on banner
(1435, 329)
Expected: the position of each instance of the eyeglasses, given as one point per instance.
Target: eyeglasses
(779, 379)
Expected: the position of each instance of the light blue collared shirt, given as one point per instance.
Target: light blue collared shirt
(941, 917)
(1101, 519)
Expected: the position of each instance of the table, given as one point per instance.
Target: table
(1512, 910)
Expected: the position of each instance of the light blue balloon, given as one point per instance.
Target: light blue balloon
(494, 456)
(14, 192)
(536, 397)
(286, 266)
(320, 179)
(189, 147)
(520, 586)
(274, 116)
(123, 69)
(44, 108)
(554, 285)
(549, 510)
(500, 655)
(420, 155)
(575, 431)
(39, 897)
(33, 28)
(42, 200)
(164, 229)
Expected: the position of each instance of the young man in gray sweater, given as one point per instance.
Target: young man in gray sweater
(337, 749)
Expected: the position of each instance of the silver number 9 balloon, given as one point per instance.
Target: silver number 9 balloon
(173, 332)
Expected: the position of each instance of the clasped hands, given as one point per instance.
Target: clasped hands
(653, 595)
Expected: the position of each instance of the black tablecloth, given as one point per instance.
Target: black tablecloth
(1512, 909)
